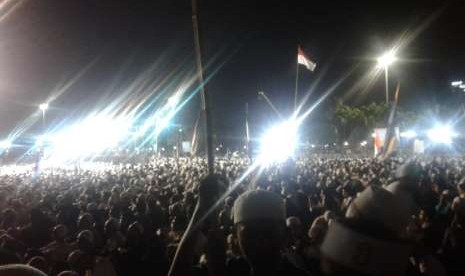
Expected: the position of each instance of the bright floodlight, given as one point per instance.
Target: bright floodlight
(408, 134)
(279, 143)
(441, 134)
(386, 59)
(456, 83)
(43, 106)
(5, 144)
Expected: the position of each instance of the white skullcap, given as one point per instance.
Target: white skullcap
(363, 253)
(259, 204)
(380, 206)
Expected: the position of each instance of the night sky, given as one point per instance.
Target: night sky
(251, 45)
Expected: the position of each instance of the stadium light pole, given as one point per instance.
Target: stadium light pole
(384, 62)
(43, 107)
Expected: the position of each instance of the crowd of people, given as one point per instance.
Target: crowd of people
(168, 216)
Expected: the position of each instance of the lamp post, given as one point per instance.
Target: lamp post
(43, 107)
(384, 62)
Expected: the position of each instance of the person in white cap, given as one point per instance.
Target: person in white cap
(367, 241)
(259, 218)
(260, 223)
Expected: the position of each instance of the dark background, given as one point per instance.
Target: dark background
(248, 46)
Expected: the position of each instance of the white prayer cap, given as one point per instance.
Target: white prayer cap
(259, 204)
(380, 206)
(365, 254)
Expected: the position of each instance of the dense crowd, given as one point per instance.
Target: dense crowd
(313, 216)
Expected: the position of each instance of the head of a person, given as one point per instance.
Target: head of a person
(409, 175)
(294, 226)
(135, 233)
(75, 261)
(461, 186)
(68, 273)
(39, 262)
(85, 241)
(259, 218)
(368, 240)
(111, 227)
(20, 270)
(9, 217)
(59, 233)
(85, 222)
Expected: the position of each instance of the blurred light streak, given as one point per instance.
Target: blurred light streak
(8, 7)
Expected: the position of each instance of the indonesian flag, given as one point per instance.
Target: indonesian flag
(304, 60)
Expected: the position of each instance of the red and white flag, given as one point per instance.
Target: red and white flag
(304, 60)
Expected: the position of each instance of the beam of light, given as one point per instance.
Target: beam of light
(441, 134)
(409, 134)
(93, 135)
(7, 7)
(136, 104)
(61, 88)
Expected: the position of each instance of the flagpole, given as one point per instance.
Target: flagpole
(296, 83)
(203, 92)
(247, 134)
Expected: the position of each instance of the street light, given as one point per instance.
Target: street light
(384, 62)
(43, 107)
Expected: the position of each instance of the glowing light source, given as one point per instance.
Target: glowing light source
(5, 144)
(441, 134)
(456, 83)
(386, 59)
(346, 144)
(363, 143)
(43, 106)
(408, 134)
(462, 86)
(89, 137)
(279, 143)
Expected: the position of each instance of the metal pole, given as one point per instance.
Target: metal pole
(296, 92)
(386, 76)
(203, 92)
(268, 101)
(43, 119)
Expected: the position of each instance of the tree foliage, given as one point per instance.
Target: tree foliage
(366, 117)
